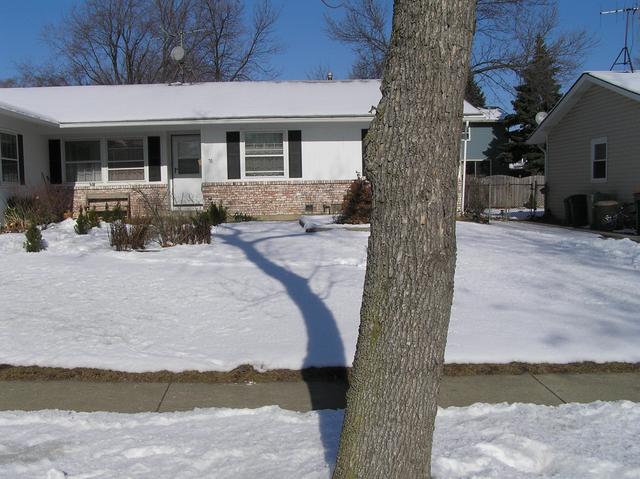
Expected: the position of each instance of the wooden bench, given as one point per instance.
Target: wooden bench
(101, 199)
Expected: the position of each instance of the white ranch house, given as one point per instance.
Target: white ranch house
(262, 148)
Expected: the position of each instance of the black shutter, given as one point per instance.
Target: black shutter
(55, 162)
(233, 155)
(21, 159)
(363, 135)
(295, 153)
(153, 153)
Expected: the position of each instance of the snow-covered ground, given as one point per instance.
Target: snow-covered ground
(271, 295)
(597, 440)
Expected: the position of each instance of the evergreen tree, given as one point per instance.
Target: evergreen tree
(538, 91)
(473, 93)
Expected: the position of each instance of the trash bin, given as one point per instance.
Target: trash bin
(603, 211)
(576, 210)
(637, 202)
(568, 213)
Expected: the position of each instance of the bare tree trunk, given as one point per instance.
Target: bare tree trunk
(412, 155)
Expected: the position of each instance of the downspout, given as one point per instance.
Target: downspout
(464, 168)
(546, 159)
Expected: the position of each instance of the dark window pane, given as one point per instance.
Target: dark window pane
(188, 166)
(263, 143)
(10, 171)
(8, 146)
(84, 151)
(599, 169)
(129, 149)
(264, 166)
(600, 151)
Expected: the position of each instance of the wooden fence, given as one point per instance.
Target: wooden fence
(501, 191)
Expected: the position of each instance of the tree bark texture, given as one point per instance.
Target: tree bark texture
(411, 160)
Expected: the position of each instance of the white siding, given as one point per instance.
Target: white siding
(330, 151)
(599, 113)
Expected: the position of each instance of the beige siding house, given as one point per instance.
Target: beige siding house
(592, 140)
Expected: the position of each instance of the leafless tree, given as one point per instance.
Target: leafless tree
(504, 34)
(364, 26)
(234, 49)
(129, 41)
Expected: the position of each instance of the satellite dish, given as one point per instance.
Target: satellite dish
(177, 53)
(540, 116)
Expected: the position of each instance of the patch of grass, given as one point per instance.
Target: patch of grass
(246, 373)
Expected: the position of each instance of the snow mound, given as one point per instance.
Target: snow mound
(573, 441)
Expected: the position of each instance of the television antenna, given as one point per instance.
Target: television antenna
(625, 53)
(178, 52)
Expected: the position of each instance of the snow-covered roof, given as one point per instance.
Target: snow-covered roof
(108, 104)
(624, 83)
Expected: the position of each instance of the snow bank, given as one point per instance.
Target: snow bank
(268, 294)
(597, 440)
(316, 223)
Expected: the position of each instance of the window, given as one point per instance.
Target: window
(125, 159)
(599, 159)
(9, 158)
(264, 154)
(82, 160)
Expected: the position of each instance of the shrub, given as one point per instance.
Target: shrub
(125, 237)
(217, 214)
(201, 233)
(110, 216)
(93, 218)
(33, 243)
(242, 217)
(356, 206)
(82, 226)
(45, 206)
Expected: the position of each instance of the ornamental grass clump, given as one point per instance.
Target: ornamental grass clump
(33, 242)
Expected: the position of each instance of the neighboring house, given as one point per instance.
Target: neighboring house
(482, 139)
(591, 138)
(262, 148)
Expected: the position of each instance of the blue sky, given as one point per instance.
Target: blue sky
(301, 31)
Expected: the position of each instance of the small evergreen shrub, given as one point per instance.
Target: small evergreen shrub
(112, 215)
(242, 217)
(217, 214)
(33, 243)
(356, 206)
(82, 226)
(93, 218)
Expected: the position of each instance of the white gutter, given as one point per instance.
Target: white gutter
(26, 115)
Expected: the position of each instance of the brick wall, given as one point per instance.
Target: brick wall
(291, 197)
(82, 196)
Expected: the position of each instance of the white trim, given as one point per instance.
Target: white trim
(599, 141)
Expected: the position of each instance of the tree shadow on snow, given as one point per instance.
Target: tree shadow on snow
(327, 387)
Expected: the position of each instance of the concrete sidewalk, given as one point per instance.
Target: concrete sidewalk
(549, 389)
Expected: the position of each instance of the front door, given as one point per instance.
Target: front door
(187, 170)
